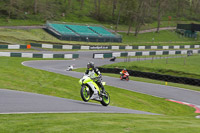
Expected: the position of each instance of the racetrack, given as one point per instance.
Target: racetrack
(24, 102)
(12, 102)
(167, 92)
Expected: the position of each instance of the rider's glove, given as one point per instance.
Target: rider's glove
(100, 77)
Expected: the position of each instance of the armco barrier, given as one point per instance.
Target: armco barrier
(115, 47)
(36, 55)
(50, 46)
(168, 78)
(13, 46)
(145, 53)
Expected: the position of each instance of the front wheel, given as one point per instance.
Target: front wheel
(85, 93)
(127, 78)
(105, 99)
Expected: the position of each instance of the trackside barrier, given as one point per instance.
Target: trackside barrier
(51, 46)
(36, 55)
(13, 46)
(144, 53)
(168, 78)
(114, 47)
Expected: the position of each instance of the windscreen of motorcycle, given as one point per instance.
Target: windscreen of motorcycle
(92, 74)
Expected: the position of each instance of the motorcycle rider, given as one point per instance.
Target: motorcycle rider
(70, 68)
(94, 74)
(123, 72)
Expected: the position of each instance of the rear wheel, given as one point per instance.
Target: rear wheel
(85, 93)
(105, 99)
(121, 77)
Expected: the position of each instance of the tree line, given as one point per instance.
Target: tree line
(129, 12)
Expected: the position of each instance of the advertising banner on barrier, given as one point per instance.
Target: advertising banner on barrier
(99, 47)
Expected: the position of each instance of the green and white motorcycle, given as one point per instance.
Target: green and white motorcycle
(90, 90)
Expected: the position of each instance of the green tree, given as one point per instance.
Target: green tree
(141, 13)
(161, 6)
(131, 13)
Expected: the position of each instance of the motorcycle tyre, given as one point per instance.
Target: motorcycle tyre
(83, 91)
(127, 78)
(105, 101)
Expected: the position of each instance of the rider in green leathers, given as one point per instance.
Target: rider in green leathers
(95, 74)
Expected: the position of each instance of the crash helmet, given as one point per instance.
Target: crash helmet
(124, 69)
(90, 65)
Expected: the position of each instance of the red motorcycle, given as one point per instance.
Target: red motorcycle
(124, 76)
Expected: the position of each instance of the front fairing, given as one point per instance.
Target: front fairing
(127, 74)
(84, 80)
(87, 80)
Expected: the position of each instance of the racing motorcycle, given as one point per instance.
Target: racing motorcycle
(70, 68)
(124, 76)
(88, 87)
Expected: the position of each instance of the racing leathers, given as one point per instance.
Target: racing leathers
(123, 72)
(96, 76)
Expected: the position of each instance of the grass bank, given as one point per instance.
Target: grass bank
(20, 36)
(167, 37)
(97, 123)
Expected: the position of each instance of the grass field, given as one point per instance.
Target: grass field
(182, 67)
(14, 76)
(167, 37)
(19, 36)
(96, 123)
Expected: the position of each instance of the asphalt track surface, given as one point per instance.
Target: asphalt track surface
(24, 102)
(17, 102)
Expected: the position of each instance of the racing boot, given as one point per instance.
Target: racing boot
(102, 88)
(95, 95)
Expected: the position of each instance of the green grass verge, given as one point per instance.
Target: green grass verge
(182, 67)
(96, 123)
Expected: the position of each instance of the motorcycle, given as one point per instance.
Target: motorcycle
(70, 68)
(124, 76)
(88, 86)
(113, 59)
